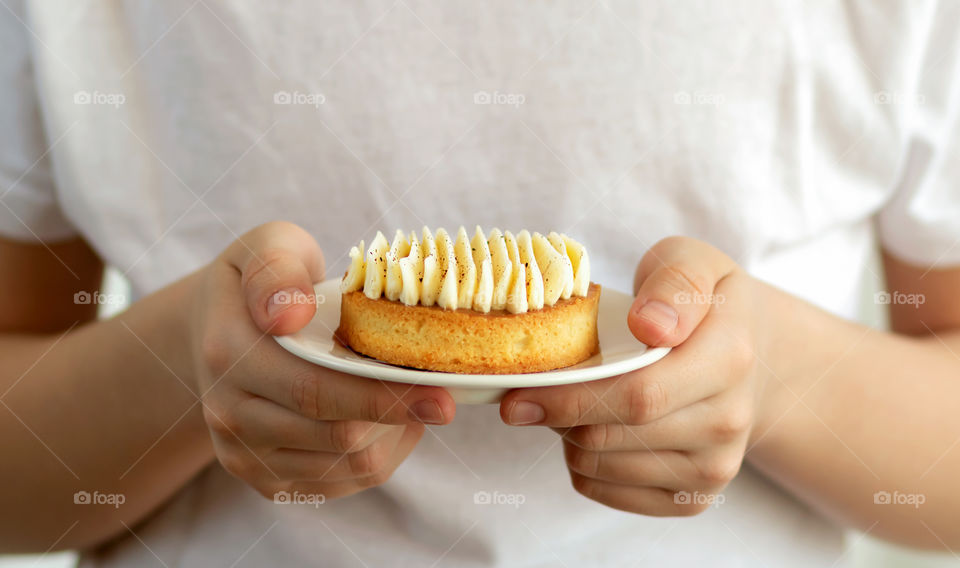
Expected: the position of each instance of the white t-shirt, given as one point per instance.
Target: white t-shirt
(794, 136)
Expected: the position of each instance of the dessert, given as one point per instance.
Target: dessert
(494, 304)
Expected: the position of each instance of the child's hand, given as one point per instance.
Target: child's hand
(278, 422)
(661, 440)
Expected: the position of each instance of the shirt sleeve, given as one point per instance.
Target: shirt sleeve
(920, 224)
(29, 206)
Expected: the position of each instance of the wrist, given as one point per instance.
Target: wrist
(774, 325)
(163, 323)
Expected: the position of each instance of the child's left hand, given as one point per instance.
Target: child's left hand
(638, 441)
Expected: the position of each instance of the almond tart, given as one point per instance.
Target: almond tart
(497, 304)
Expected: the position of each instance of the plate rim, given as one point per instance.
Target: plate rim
(383, 371)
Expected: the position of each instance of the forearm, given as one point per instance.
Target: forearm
(850, 412)
(108, 407)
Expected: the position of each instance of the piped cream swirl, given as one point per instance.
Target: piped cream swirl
(502, 271)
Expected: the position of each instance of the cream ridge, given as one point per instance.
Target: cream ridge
(502, 271)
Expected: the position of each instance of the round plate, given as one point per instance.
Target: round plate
(620, 352)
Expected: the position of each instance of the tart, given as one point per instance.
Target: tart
(497, 304)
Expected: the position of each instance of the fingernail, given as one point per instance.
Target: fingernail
(524, 412)
(660, 314)
(427, 411)
(282, 300)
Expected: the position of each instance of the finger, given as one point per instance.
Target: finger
(252, 468)
(665, 468)
(278, 264)
(299, 465)
(695, 427)
(651, 501)
(264, 424)
(242, 461)
(323, 394)
(674, 285)
(336, 489)
(635, 398)
(408, 440)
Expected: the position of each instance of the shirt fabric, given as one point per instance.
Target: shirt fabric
(793, 136)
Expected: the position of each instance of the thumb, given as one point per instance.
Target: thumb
(278, 264)
(674, 285)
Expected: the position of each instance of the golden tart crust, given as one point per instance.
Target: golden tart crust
(466, 341)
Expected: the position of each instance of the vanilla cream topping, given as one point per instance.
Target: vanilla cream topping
(502, 271)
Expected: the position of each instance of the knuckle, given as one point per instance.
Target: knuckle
(347, 435)
(367, 462)
(305, 393)
(592, 437)
(743, 355)
(718, 471)
(264, 257)
(739, 348)
(223, 422)
(215, 353)
(261, 268)
(210, 416)
(374, 479)
(377, 408)
(236, 464)
(647, 402)
(585, 486)
(681, 278)
(583, 461)
(582, 409)
(733, 423)
(274, 242)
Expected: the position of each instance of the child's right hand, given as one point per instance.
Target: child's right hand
(276, 421)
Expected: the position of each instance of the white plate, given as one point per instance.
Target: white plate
(619, 353)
